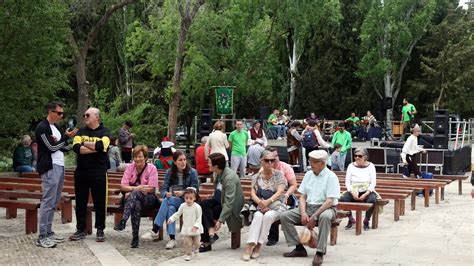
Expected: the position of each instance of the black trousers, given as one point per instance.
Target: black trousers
(371, 198)
(412, 165)
(98, 188)
(307, 151)
(211, 210)
(126, 156)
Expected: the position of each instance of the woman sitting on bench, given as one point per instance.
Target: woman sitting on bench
(177, 179)
(139, 182)
(268, 187)
(360, 185)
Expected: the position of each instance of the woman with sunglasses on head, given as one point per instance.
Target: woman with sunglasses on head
(177, 179)
(268, 187)
(360, 185)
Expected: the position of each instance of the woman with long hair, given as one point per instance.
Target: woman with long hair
(177, 179)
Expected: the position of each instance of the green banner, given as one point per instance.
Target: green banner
(225, 100)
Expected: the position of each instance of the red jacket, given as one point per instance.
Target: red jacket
(201, 163)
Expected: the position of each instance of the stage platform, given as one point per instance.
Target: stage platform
(387, 159)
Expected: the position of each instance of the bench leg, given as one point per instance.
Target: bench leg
(442, 193)
(375, 217)
(235, 240)
(333, 236)
(358, 222)
(11, 213)
(437, 195)
(396, 210)
(460, 186)
(31, 221)
(66, 212)
(160, 234)
(89, 222)
(402, 207)
(426, 194)
(413, 200)
(118, 217)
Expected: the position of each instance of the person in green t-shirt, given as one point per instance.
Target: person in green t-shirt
(278, 131)
(353, 123)
(238, 141)
(408, 116)
(344, 139)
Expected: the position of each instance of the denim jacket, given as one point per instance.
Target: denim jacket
(191, 180)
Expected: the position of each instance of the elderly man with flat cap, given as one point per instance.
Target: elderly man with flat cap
(320, 192)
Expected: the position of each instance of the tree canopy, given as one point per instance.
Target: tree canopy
(329, 57)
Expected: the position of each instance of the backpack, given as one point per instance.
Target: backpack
(309, 139)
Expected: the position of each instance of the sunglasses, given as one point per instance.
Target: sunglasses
(269, 160)
(358, 156)
(86, 115)
(57, 112)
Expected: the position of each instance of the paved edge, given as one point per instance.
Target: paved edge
(104, 251)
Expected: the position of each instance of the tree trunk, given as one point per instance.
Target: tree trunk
(175, 100)
(388, 90)
(293, 69)
(82, 89)
(187, 15)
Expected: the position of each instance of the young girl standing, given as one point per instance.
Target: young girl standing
(192, 227)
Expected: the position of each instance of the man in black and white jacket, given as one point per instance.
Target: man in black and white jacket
(51, 141)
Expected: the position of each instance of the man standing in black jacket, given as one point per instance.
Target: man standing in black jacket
(51, 140)
(90, 144)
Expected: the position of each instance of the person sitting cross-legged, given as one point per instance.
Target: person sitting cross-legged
(139, 182)
(268, 187)
(320, 193)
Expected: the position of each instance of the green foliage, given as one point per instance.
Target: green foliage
(32, 53)
(446, 64)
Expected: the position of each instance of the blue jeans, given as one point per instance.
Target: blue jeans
(24, 169)
(168, 207)
(279, 130)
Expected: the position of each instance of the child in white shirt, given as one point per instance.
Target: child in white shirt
(191, 228)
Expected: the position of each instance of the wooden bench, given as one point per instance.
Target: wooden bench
(31, 212)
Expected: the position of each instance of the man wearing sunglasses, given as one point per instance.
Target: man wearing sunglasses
(51, 140)
(91, 144)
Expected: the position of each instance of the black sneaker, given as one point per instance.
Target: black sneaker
(366, 226)
(78, 235)
(350, 225)
(213, 239)
(271, 242)
(100, 237)
(205, 248)
(120, 226)
(135, 242)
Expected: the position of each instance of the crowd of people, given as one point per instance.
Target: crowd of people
(273, 182)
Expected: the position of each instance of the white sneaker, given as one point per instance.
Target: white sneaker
(171, 244)
(279, 138)
(404, 176)
(196, 252)
(150, 235)
(187, 258)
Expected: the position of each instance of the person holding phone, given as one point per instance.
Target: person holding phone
(177, 179)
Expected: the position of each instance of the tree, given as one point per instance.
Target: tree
(80, 56)
(297, 18)
(389, 34)
(32, 58)
(187, 12)
(446, 63)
